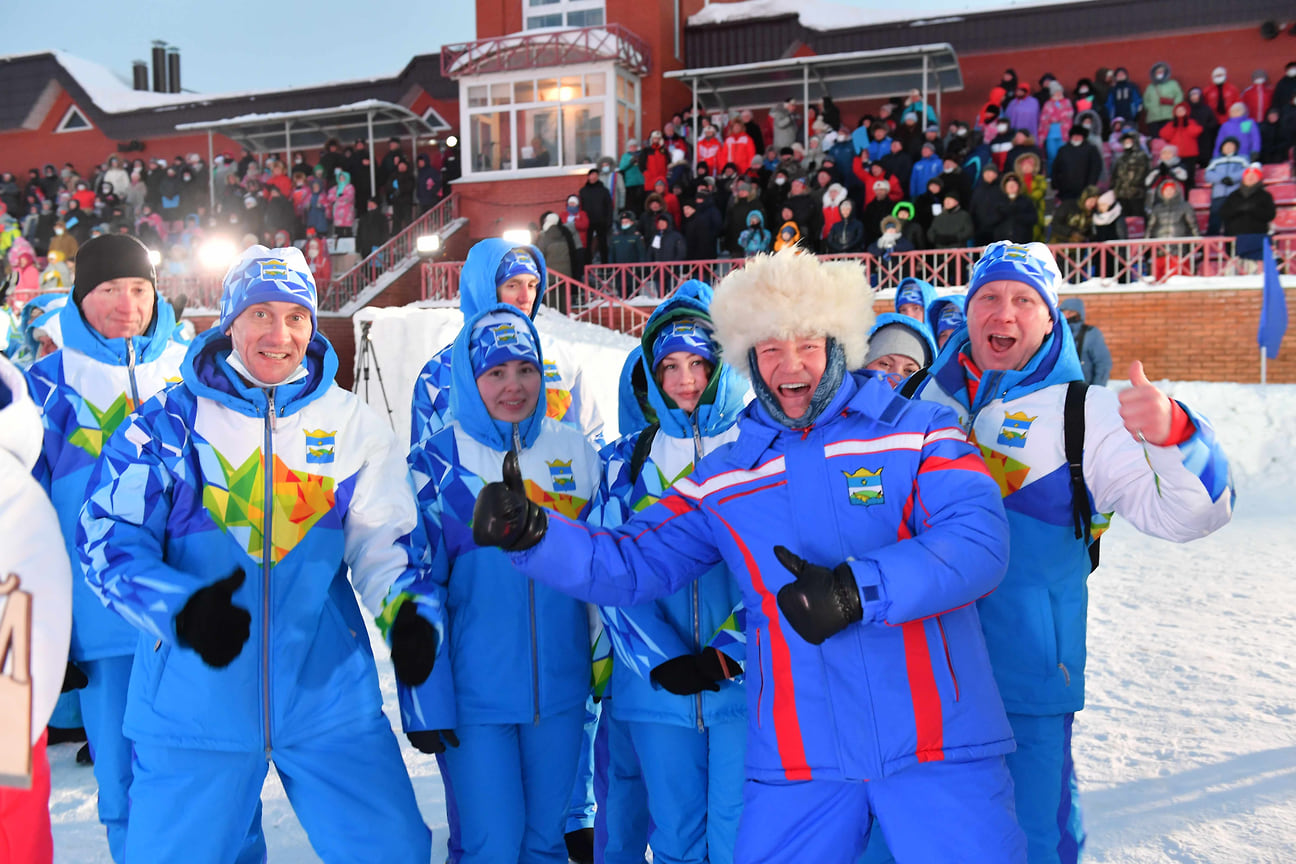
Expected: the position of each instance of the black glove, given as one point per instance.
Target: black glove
(693, 673)
(504, 517)
(432, 741)
(73, 678)
(1228, 181)
(820, 602)
(213, 626)
(413, 645)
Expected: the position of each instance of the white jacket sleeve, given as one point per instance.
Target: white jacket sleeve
(1177, 493)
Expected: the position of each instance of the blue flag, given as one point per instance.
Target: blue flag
(1273, 307)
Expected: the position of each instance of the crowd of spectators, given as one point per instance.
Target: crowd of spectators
(174, 205)
(1054, 163)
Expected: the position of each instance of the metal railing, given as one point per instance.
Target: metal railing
(547, 48)
(398, 252)
(576, 300)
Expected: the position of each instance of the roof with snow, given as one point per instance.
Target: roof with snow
(285, 131)
(125, 113)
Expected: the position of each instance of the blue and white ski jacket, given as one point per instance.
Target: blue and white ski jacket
(518, 651)
(890, 486)
(86, 390)
(708, 612)
(568, 398)
(294, 484)
(1035, 623)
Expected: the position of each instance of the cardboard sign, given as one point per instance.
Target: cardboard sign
(15, 686)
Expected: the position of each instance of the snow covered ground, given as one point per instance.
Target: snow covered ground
(1186, 751)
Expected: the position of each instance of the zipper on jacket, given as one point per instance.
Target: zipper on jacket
(760, 687)
(130, 373)
(949, 663)
(693, 587)
(267, 468)
(531, 608)
(1065, 673)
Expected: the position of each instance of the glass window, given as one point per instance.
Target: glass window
(500, 94)
(595, 84)
(491, 141)
(548, 89)
(582, 133)
(477, 96)
(538, 137)
(538, 22)
(587, 18)
(535, 3)
(559, 13)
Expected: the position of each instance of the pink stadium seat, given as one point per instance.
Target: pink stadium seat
(1277, 173)
(1155, 146)
(1203, 219)
(1283, 193)
(1135, 226)
(1201, 197)
(1286, 219)
(1199, 178)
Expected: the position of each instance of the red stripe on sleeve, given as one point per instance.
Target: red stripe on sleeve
(966, 462)
(928, 722)
(675, 504)
(787, 726)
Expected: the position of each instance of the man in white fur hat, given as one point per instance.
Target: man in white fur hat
(861, 529)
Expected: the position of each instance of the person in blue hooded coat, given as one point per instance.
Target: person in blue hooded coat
(898, 347)
(860, 531)
(1146, 457)
(944, 317)
(222, 520)
(913, 296)
(676, 677)
(117, 353)
(23, 348)
(497, 271)
(509, 698)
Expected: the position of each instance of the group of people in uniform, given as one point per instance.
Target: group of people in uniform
(823, 599)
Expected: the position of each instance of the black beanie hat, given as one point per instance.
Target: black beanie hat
(107, 257)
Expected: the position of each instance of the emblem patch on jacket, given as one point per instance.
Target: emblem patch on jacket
(560, 473)
(864, 486)
(319, 446)
(551, 371)
(1014, 429)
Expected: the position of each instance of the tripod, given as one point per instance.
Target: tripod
(364, 356)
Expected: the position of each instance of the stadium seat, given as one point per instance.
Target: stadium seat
(1280, 172)
(1155, 146)
(1283, 193)
(1135, 226)
(1199, 178)
(1285, 220)
(1200, 197)
(1203, 220)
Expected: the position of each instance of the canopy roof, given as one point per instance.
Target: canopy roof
(853, 75)
(311, 129)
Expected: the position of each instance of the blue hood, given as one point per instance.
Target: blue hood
(477, 289)
(722, 401)
(466, 404)
(630, 410)
(918, 327)
(934, 308)
(206, 372)
(1054, 363)
(80, 336)
(928, 291)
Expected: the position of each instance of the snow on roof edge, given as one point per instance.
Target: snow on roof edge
(826, 15)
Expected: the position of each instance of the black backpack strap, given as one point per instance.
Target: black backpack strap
(1080, 339)
(912, 383)
(642, 446)
(1073, 431)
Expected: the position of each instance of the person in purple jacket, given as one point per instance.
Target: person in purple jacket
(861, 528)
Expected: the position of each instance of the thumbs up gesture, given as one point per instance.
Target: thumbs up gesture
(503, 516)
(1144, 409)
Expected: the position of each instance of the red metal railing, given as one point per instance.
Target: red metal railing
(398, 253)
(574, 299)
(547, 48)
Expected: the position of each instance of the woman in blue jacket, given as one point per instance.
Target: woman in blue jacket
(675, 679)
(861, 528)
(509, 699)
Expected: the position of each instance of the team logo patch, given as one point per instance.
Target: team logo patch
(551, 371)
(560, 473)
(1014, 429)
(319, 446)
(864, 486)
(505, 334)
(274, 268)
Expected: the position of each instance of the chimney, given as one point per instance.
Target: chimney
(139, 75)
(173, 69)
(159, 66)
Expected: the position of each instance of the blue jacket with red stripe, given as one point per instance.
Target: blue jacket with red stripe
(893, 487)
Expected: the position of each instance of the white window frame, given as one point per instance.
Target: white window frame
(67, 117)
(563, 8)
(433, 118)
(611, 145)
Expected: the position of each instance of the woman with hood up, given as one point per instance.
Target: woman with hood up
(1170, 216)
(339, 203)
(847, 233)
(1034, 186)
(1020, 215)
(505, 703)
(678, 661)
(755, 238)
(1184, 133)
(1160, 97)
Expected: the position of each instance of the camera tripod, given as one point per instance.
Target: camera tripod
(365, 357)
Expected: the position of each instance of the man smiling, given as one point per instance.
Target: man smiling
(1006, 374)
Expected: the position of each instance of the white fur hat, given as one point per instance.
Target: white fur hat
(792, 294)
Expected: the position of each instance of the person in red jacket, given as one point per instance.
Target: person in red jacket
(739, 148)
(1259, 96)
(710, 149)
(1221, 94)
(1184, 133)
(872, 177)
(653, 160)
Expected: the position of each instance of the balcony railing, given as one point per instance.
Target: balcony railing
(547, 48)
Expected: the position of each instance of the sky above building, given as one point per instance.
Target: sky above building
(238, 45)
